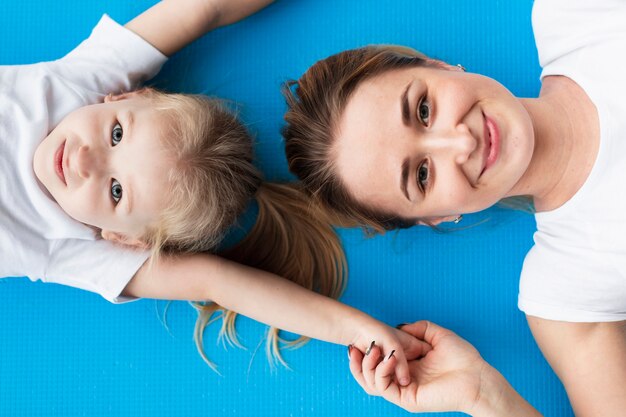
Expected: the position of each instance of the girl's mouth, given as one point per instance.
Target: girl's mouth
(58, 162)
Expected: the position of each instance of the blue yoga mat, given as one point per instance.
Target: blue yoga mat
(65, 352)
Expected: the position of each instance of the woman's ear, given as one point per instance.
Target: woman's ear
(436, 63)
(122, 239)
(435, 221)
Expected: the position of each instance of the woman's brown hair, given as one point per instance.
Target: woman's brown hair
(315, 104)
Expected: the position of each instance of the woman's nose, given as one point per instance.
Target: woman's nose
(457, 142)
(88, 162)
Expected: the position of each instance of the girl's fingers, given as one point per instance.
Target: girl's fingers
(371, 359)
(403, 376)
(383, 378)
(356, 367)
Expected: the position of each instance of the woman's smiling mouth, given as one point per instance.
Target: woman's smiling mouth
(492, 142)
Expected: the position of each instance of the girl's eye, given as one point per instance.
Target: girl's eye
(116, 134)
(116, 191)
(423, 175)
(423, 111)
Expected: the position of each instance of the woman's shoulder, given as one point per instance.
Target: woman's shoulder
(562, 27)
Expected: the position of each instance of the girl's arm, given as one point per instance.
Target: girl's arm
(172, 24)
(590, 360)
(271, 300)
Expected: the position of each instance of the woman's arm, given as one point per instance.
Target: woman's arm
(272, 300)
(590, 360)
(172, 24)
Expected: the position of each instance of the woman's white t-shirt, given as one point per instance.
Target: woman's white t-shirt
(576, 271)
(37, 238)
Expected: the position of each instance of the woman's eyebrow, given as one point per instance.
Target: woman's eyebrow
(404, 177)
(404, 104)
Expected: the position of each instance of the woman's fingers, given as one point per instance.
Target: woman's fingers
(426, 331)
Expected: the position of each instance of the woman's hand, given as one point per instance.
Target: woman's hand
(376, 338)
(450, 365)
(452, 376)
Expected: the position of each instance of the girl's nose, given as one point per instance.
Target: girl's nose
(87, 162)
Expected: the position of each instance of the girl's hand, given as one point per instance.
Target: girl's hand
(452, 376)
(375, 340)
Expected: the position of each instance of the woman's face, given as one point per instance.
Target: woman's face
(430, 143)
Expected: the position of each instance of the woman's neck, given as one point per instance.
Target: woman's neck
(567, 137)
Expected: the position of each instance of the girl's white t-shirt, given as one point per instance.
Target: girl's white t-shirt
(576, 271)
(37, 239)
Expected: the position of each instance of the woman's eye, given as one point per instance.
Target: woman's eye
(422, 176)
(116, 134)
(116, 191)
(423, 111)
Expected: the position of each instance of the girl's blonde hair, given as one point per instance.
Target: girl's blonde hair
(212, 184)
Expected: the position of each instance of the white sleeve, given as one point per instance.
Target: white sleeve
(563, 27)
(98, 266)
(573, 284)
(112, 60)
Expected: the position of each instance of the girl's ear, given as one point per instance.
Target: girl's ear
(122, 239)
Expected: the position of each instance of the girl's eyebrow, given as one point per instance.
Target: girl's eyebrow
(129, 200)
(404, 104)
(129, 119)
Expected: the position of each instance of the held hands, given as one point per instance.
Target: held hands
(372, 340)
(446, 377)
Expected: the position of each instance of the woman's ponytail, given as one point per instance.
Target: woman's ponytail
(293, 238)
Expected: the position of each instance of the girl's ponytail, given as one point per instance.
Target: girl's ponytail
(211, 187)
(292, 238)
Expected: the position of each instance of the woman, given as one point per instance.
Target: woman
(389, 138)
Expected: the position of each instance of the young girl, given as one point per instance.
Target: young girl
(123, 193)
(390, 138)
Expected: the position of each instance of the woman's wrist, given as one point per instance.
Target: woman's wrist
(498, 398)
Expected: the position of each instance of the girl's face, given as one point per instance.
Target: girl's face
(104, 165)
(430, 143)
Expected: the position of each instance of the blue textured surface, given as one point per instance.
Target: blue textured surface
(64, 352)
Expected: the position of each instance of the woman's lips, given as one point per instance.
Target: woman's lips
(58, 162)
(494, 135)
(492, 143)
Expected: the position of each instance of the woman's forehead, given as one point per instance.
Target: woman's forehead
(366, 147)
